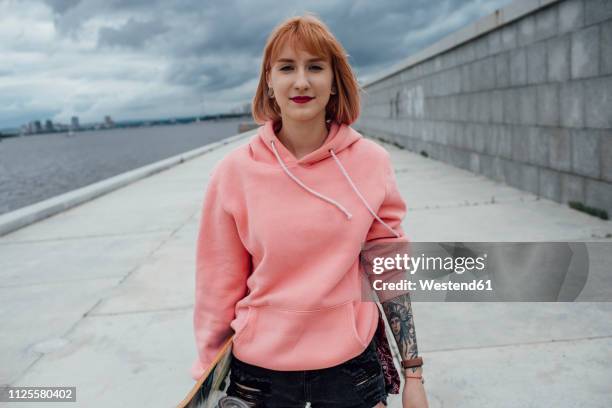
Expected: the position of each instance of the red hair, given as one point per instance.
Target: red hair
(309, 33)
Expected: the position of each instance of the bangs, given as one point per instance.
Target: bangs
(301, 37)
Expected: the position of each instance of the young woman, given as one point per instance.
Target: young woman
(282, 226)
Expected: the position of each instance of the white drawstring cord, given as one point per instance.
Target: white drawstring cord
(321, 196)
(360, 196)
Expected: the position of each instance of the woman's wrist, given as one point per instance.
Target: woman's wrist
(412, 371)
(413, 374)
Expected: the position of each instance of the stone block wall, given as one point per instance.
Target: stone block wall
(524, 99)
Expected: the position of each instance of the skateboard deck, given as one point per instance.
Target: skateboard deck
(212, 386)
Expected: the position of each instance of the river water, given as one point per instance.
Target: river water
(37, 167)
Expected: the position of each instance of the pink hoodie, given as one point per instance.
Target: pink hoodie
(278, 250)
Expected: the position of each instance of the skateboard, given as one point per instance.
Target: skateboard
(212, 386)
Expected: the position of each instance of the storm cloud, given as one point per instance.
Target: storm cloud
(140, 59)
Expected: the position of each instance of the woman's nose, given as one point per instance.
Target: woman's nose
(301, 81)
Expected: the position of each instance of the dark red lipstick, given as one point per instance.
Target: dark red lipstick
(301, 99)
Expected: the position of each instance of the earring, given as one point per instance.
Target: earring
(270, 92)
(333, 91)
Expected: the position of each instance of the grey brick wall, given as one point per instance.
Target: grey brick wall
(528, 103)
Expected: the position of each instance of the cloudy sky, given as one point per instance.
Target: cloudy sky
(141, 59)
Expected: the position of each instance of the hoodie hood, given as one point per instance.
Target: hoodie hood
(266, 146)
(340, 137)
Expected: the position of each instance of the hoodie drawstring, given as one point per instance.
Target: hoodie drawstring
(329, 200)
(321, 196)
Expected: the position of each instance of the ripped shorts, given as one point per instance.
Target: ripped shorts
(356, 383)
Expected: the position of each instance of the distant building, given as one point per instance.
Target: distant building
(49, 126)
(37, 127)
(108, 122)
(75, 123)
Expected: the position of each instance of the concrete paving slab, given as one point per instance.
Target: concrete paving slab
(116, 213)
(74, 258)
(165, 281)
(535, 220)
(462, 326)
(573, 373)
(37, 317)
(121, 360)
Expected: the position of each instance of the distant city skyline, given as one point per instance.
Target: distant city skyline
(159, 59)
(36, 127)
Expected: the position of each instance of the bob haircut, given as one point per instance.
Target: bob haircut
(309, 33)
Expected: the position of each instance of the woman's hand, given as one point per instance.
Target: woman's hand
(413, 395)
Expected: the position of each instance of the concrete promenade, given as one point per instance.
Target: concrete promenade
(100, 296)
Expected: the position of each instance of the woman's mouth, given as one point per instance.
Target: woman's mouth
(301, 99)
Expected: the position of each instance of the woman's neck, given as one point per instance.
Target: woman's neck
(302, 138)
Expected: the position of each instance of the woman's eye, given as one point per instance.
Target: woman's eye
(285, 68)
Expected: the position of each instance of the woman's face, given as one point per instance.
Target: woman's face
(395, 325)
(298, 73)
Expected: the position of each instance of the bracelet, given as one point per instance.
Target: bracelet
(413, 362)
(418, 377)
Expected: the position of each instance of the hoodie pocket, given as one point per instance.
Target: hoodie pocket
(283, 339)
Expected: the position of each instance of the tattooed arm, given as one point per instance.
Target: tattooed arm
(399, 315)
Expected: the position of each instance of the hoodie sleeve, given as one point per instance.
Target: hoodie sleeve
(222, 268)
(391, 211)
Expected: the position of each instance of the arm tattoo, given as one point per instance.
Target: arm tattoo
(399, 315)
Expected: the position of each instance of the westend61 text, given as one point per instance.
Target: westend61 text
(430, 284)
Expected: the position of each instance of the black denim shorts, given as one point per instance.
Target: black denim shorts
(356, 383)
